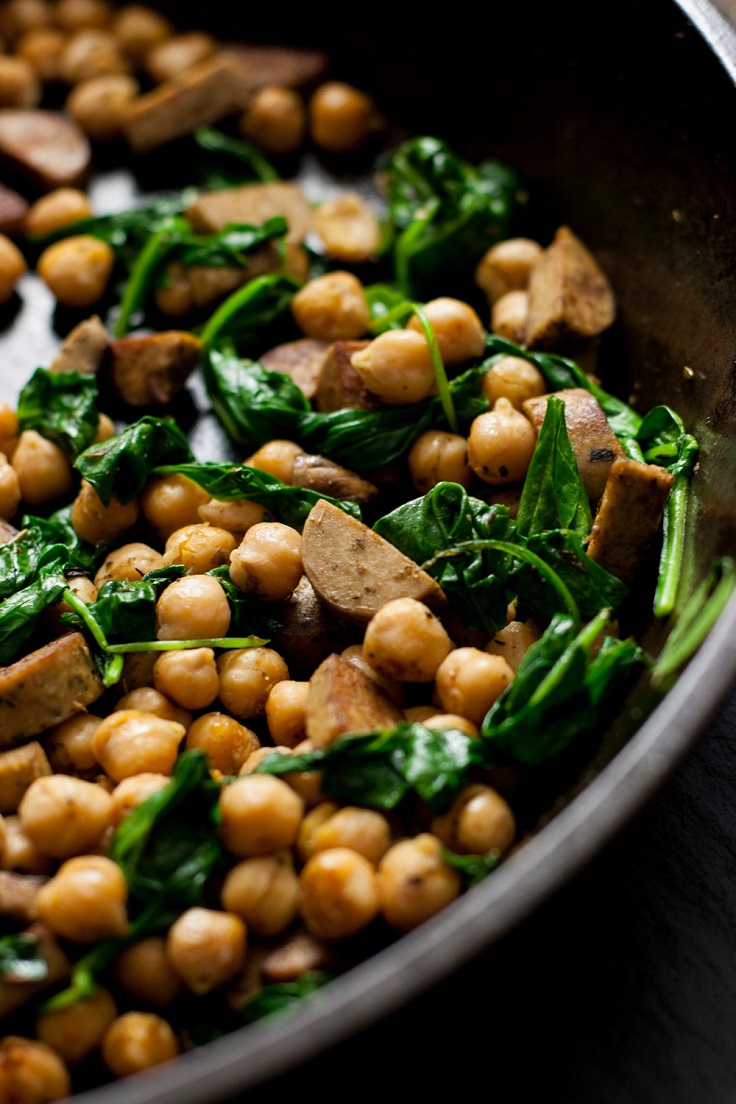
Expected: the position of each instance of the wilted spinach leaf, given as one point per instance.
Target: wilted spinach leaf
(121, 465)
(281, 998)
(553, 496)
(21, 958)
(61, 406)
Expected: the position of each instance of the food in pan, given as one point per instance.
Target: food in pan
(258, 716)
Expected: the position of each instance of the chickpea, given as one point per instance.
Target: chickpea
(247, 676)
(341, 117)
(439, 457)
(152, 701)
(305, 783)
(129, 564)
(501, 444)
(12, 267)
(199, 548)
(515, 379)
(75, 1031)
(275, 119)
(41, 47)
(105, 429)
(76, 270)
(31, 1073)
(397, 367)
(507, 267)
(94, 522)
(55, 210)
(69, 744)
(405, 641)
(277, 458)
(19, 83)
(332, 307)
(445, 721)
(76, 15)
(286, 712)
(260, 814)
(19, 16)
(264, 892)
(136, 1041)
(415, 882)
(100, 105)
(172, 57)
(189, 678)
(257, 756)
(169, 502)
(138, 29)
(19, 853)
(478, 821)
(268, 562)
(235, 517)
(138, 670)
(457, 328)
(144, 971)
(91, 52)
(193, 608)
(43, 471)
(130, 742)
(419, 714)
(224, 741)
(338, 893)
(509, 315)
(355, 655)
(361, 830)
(8, 429)
(469, 682)
(85, 900)
(10, 495)
(350, 231)
(513, 641)
(132, 792)
(206, 948)
(64, 816)
(310, 826)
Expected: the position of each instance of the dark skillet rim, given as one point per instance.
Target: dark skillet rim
(425, 957)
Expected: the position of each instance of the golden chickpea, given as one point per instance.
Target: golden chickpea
(469, 682)
(105, 429)
(85, 900)
(445, 721)
(415, 882)
(260, 814)
(338, 893)
(277, 458)
(268, 563)
(224, 741)
(457, 327)
(341, 117)
(419, 714)
(19, 83)
(19, 853)
(55, 210)
(31, 1073)
(264, 892)
(64, 816)
(136, 1041)
(257, 756)
(94, 522)
(501, 444)
(507, 267)
(152, 701)
(361, 830)
(129, 564)
(286, 712)
(8, 429)
(144, 971)
(12, 267)
(19, 16)
(75, 1031)
(130, 742)
(90, 53)
(275, 119)
(199, 548)
(439, 457)
(138, 670)
(41, 47)
(193, 608)
(76, 270)
(178, 53)
(405, 641)
(133, 791)
(169, 502)
(43, 471)
(332, 307)
(310, 826)
(100, 105)
(138, 28)
(76, 15)
(10, 495)
(397, 367)
(513, 641)
(247, 676)
(305, 783)
(350, 231)
(478, 821)
(235, 517)
(189, 678)
(206, 948)
(515, 379)
(509, 315)
(355, 655)
(69, 744)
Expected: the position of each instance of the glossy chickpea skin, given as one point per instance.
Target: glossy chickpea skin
(437, 457)
(19, 16)
(75, 1031)
(64, 816)
(138, 28)
(224, 741)
(235, 517)
(199, 548)
(349, 229)
(513, 641)
(509, 315)
(18, 852)
(332, 307)
(338, 893)
(12, 267)
(341, 117)
(268, 563)
(130, 742)
(405, 641)
(144, 971)
(415, 882)
(69, 745)
(100, 105)
(9, 429)
(260, 814)
(363, 830)
(275, 119)
(264, 892)
(19, 83)
(76, 270)
(247, 676)
(286, 712)
(41, 47)
(515, 379)
(95, 522)
(91, 52)
(277, 458)
(43, 471)
(193, 608)
(501, 444)
(31, 1072)
(469, 682)
(132, 791)
(178, 53)
(85, 900)
(478, 821)
(206, 948)
(457, 327)
(55, 210)
(10, 494)
(188, 678)
(129, 564)
(397, 367)
(507, 267)
(136, 1041)
(169, 502)
(153, 701)
(76, 15)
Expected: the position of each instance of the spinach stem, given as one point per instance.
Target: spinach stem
(233, 304)
(583, 640)
(141, 275)
(183, 645)
(696, 620)
(438, 367)
(673, 539)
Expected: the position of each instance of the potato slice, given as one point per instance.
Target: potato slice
(628, 516)
(342, 699)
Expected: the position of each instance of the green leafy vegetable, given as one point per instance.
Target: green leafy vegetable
(592, 587)
(245, 156)
(21, 959)
(61, 406)
(553, 496)
(126, 611)
(253, 316)
(121, 465)
(19, 613)
(474, 868)
(695, 621)
(281, 998)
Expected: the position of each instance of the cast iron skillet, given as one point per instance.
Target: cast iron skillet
(608, 112)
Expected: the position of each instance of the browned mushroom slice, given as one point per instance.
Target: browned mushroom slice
(18, 768)
(13, 211)
(46, 148)
(18, 894)
(354, 571)
(252, 204)
(342, 700)
(593, 441)
(15, 992)
(628, 516)
(339, 386)
(45, 688)
(308, 631)
(317, 473)
(300, 952)
(570, 298)
(301, 360)
(83, 348)
(295, 68)
(152, 369)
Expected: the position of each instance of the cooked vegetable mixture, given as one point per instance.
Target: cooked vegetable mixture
(251, 709)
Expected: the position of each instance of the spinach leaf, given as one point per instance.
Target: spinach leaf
(254, 404)
(695, 621)
(473, 868)
(283, 997)
(592, 587)
(57, 528)
(250, 162)
(121, 465)
(255, 316)
(19, 612)
(61, 406)
(247, 615)
(126, 611)
(19, 560)
(553, 496)
(20, 958)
